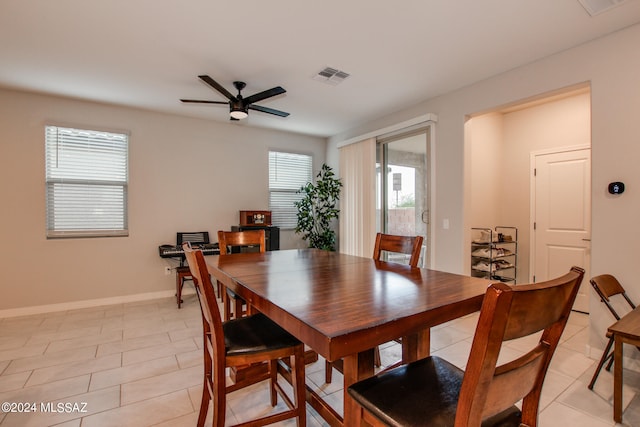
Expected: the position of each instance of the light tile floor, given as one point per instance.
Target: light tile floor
(140, 364)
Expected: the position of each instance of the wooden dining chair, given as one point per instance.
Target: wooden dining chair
(408, 245)
(248, 240)
(385, 243)
(182, 271)
(607, 286)
(239, 342)
(485, 392)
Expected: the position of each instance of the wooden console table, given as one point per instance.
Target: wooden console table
(625, 330)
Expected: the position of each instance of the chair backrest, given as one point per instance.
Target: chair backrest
(399, 244)
(193, 237)
(607, 286)
(228, 239)
(211, 319)
(510, 312)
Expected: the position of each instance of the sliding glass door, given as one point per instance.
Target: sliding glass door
(403, 171)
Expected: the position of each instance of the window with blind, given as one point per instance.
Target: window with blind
(86, 182)
(287, 173)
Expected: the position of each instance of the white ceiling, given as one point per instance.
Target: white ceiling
(148, 53)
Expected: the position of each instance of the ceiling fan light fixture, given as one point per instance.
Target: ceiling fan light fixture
(238, 114)
(238, 105)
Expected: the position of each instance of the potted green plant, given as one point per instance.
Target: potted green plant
(317, 209)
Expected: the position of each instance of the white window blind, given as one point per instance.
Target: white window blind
(287, 173)
(86, 182)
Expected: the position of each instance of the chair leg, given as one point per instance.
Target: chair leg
(328, 372)
(204, 405)
(182, 274)
(219, 408)
(610, 364)
(299, 389)
(207, 380)
(603, 360)
(273, 377)
(179, 283)
(237, 308)
(376, 357)
(227, 304)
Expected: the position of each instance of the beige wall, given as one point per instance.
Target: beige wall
(611, 66)
(484, 135)
(185, 175)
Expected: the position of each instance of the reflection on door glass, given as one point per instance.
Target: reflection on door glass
(401, 200)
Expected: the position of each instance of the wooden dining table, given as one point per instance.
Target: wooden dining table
(343, 306)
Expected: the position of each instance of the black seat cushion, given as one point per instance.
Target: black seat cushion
(255, 333)
(422, 393)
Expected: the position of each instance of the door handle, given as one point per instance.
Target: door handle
(425, 214)
(586, 240)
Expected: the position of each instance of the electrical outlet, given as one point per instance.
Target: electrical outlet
(167, 270)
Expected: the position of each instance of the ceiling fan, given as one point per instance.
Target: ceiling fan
(238, 106)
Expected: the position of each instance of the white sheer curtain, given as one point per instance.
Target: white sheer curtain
(358, 200)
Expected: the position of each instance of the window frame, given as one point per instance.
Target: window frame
(119, 180)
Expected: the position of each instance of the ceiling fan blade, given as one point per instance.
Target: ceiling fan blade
(268, 110)
(198, 101)
(264, 95)
(217, 86)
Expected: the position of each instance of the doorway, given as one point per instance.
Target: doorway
(498, 153)
(402, 187)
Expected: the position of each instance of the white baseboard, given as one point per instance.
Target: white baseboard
(75, 305)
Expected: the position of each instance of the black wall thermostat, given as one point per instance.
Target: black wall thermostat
(616, 188)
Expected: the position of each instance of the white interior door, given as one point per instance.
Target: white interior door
(562, 217)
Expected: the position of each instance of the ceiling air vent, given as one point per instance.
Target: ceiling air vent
(331, 76)
(595, 7)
